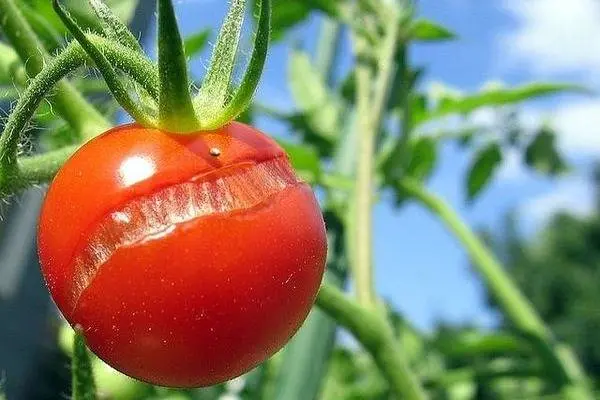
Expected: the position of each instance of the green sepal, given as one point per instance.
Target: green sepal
(176, 112)
(245, 92)
(116, 30)
(115, 85)
(113, 27)
(214, 92)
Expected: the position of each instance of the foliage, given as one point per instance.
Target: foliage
(558, 270)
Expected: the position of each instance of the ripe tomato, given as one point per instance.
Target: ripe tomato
(186, 260)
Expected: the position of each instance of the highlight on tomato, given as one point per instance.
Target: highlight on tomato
(183, 247)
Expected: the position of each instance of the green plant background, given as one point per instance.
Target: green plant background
(345, 137)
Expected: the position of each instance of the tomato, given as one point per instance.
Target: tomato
(186, 260)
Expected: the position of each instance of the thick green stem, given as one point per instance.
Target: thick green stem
(328, 48)
(371, 101)
(67, 102)
(516, 307)
(376, 335)
(363, 260)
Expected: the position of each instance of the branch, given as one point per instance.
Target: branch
(377, 337)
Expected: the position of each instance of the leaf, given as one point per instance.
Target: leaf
(289, 13)
(319, 107)
(428, 31)
(304, 159)
(9, 64)
(542, 155)
(423, 158)
(195, 44)
(124, 9)
(486, 162)
(496, 97)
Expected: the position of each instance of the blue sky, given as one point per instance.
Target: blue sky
(420, 267)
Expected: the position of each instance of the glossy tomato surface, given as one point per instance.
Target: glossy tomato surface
(186, 260)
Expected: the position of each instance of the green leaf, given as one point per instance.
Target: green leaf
(196, 43)
(423, 158)
(455, 104)
(289, 13)
(542, 154)
(84, 387)
(428, 31)
(320, 109)
(123, 9)
(50, 37)
(486, 162)
(304, 159)
(10, 65)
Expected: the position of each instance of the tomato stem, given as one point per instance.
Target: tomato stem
(84, 387)
(68, 102)
(176, 111)
(376, 335)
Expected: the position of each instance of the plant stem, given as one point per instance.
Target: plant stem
(371, 101)
(84, 387)
(363, 262)
(328, 48)
(376, 335)
(68, 102)
(518, 309)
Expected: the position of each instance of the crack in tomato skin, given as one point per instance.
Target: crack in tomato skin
(228, 190)
(101, 177)
(183, 300)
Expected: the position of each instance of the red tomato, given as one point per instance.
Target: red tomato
(186, 260)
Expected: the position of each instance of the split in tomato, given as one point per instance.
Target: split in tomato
(185, 259)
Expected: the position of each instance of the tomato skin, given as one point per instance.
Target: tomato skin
(210, 297)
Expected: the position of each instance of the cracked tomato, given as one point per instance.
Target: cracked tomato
(186, 260)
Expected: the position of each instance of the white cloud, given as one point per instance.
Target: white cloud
(574, 194)
(578, 125)
(553, 36)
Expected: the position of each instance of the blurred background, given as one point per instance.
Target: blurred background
(538, 210)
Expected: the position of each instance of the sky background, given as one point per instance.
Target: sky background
(420, 267)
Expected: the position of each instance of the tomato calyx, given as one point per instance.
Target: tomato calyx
(175, 108)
